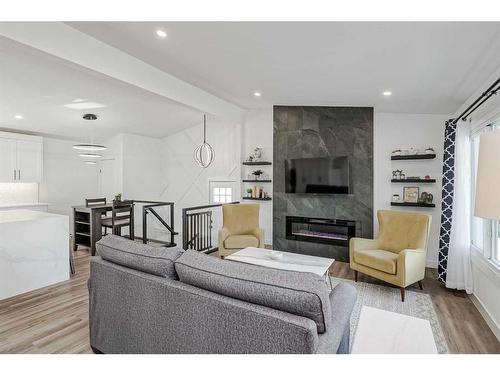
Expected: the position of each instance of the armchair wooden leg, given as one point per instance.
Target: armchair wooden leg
(420, 285)
(402, 294)
(356, 276)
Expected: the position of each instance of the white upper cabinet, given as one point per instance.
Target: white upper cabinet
(8, 157)
(21, 158)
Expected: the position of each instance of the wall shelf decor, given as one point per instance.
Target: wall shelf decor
(415, 180)
(257, 163)
(413, 157)
(256, 180)
(257, 199)
(410, 204)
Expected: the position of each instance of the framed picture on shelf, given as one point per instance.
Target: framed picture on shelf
(411, 194)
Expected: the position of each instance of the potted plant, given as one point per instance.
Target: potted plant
(118, 197)
(249, 193)
(258, 173)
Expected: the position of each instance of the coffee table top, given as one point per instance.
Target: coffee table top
(387, 332)
(289, 261)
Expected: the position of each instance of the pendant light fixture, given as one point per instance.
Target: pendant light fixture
(204, 154)
(89, 146)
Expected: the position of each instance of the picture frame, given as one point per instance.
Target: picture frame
(411, 194)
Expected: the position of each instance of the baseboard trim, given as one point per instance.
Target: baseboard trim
(495, 328)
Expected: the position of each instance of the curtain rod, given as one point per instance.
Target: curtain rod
(479, 101)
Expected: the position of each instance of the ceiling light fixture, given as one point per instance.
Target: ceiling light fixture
(18, 117)
(257, 94)
(87, 155)
(89, 162)
(161, 33)
(204, 155)
(387, 93)
(89, 147)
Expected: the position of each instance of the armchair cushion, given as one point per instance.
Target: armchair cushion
(381, 260)
(241, 241)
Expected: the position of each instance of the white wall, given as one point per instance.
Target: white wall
(183, 181)
(67, 181)
(258, 132)
(399, 131)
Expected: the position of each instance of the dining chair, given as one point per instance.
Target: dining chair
(90, 202)
(122, 215)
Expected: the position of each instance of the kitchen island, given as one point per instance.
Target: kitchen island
(34, 251)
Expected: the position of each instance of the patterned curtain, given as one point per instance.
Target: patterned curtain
(447, 197)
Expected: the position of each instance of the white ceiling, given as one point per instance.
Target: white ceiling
(429, 67)
(37, 85)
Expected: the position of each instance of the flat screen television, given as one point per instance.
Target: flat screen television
(317, 176)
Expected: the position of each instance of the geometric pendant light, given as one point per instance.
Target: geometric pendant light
(204, 155)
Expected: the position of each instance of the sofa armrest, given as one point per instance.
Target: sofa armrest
(411, 262)
(259, 233)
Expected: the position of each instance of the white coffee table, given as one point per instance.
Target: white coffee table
(386, 332)
(289, 261)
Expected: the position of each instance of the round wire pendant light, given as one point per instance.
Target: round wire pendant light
(204, 155)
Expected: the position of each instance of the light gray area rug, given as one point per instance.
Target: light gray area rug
(382, 297)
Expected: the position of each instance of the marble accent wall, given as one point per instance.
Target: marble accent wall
(307, 132)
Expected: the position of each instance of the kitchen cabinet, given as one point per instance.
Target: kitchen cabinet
(21, 158)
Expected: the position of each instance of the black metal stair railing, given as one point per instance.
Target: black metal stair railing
(197, 228)
(150, 208)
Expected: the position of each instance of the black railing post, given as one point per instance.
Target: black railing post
(144, 225)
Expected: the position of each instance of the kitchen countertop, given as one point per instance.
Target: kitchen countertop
(13, 205)
(13, 216)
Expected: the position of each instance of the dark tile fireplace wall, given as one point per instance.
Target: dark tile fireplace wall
(307, 132)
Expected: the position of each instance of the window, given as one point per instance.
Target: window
(222, 191)
(485, 234)
(222, 194)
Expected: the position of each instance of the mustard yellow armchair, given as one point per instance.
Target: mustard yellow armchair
(240, 228)
(398, 255)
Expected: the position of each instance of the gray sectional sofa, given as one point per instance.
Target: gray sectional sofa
(155, 300)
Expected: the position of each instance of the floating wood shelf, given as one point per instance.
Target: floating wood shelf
(256, 180)
(415, 180)
(409, 204)
(257, 163)
(413, 157)
(257, 199)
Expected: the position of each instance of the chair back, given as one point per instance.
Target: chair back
(95, 202)
(403, 230)
(122, 211)
(240, 218)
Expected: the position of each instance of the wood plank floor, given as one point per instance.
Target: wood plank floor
(55, 319)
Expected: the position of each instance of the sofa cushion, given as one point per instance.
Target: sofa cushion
(241, 241)
(158, 261)
(381, 260)
(299, 293)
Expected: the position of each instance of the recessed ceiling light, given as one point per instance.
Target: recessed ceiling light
(387, 93)
(257, 94)
(18, 117)
(91, 156)
(161, 33)
(89, 147)
(85, 105)
(78, 100)
(89, 162)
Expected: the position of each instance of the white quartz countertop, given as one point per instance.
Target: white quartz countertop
(12, 205)
(25, 215)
